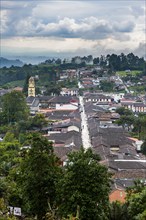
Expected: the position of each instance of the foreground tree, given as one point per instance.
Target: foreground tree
(9, 149)
(84, 187)
(117, 211)
(38, 176)
(137, 205)
(136, 201)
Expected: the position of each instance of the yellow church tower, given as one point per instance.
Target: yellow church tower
(31, 87)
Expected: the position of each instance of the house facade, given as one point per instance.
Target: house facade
(69, 92)
(95, 98)
(138, 107)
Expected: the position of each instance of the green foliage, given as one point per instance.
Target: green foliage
(38, 175)
(85, 184)
(126, 121)
(124, 73)
(9, 150)
(3, 188)
(140, 126)
(9, 137)
(45, 72)
(33, 123)
(137, 204)
(3, 207)
(126, 117)
(52, 88)
(69, 83)
(123, 111)
(25, 87)
(13, 84)
(136, 200)
(106, 86)
(39, 121)
(3, 119)
(14, 107)
(133, 208)
(48, 70)
(117, 211)
(125, 62)
(141, 216)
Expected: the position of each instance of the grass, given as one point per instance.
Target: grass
(13, 84)
(138, 89)
(123, 73)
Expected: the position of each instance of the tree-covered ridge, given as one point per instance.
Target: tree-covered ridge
(50, 69)
(125, 62)
(45, 73)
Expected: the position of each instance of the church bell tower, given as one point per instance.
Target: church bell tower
(31, 87)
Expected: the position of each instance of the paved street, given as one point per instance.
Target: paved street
(126, 89)
(84, 125)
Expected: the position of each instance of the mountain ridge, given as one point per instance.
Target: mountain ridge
(4, 62)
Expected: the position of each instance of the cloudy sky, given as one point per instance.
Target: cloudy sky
(69, 28)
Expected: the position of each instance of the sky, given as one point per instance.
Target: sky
(72, 28)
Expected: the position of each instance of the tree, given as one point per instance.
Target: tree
(14, 107)
(96, 60)
(25, 87)
(136, 200)
(38, 175)
(114, 62)
(117, 211)
(9, 149)
(58, 61)
(84, 186)
(3, 118)
(39, 121)
(106, 86)
(52, 88)
(141, 216)
(137, 205)
(123, 111)
(140, 125)
(126, 121)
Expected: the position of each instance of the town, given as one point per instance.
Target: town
(86, 105)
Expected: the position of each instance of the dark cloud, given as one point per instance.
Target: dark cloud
(61, 19)
(120, 21)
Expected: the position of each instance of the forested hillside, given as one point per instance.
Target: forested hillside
(48, 70)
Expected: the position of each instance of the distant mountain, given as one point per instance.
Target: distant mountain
(34, 60)
(8, 63)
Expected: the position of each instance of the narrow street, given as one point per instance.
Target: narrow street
(84, 125)
(125, 87)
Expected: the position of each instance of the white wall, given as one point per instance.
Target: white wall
(73, 128)
(67, 106)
